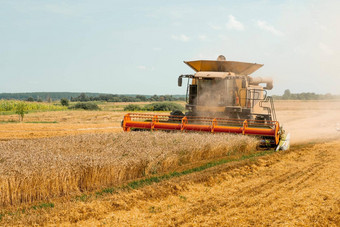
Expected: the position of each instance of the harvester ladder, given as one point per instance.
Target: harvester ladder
(271, 109)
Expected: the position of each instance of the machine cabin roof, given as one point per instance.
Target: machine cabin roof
(240, 68)
(209, 74)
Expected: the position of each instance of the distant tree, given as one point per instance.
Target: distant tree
(163, 106)
(286, 94)
(64, 102)
(153, 98)
(141, 98)
(85, 106)
(132, 107)
(83, 98)
(30, 99)
(115, 99)
(21, 109)
(39, 100)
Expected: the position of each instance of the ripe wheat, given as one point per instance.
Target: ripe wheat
(38, 169)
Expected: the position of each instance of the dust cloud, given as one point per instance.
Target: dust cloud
(306, 121)
(309, 121)
(215, 93)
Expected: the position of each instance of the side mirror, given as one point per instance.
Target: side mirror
(180, 81)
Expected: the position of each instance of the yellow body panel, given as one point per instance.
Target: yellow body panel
(213, 109)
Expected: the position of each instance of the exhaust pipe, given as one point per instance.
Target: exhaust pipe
(260, 80)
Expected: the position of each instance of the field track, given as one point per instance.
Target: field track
(298, 187)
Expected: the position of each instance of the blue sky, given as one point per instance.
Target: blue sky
(138, 47)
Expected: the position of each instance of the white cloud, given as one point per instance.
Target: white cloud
(234, 24)
(142, 67)
(215, 27)
(267, 27)
(326, 49)
(182, 38)
(176, 24)
(224, 37)
(156, 49)
(58, 8)
(206, 55)
(202, 37)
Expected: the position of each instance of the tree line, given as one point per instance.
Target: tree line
(43, 96)
(127, 98)
(87, 96)
(287, 95)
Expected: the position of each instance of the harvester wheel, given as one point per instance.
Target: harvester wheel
(176, 115)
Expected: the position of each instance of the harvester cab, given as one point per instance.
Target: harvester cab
(224, 89)
(221, 97)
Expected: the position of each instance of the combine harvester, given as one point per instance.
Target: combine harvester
(221, 98)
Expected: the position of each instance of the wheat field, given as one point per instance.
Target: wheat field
(39, 169)
(53, 159)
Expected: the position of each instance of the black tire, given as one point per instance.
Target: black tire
(176, 115)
